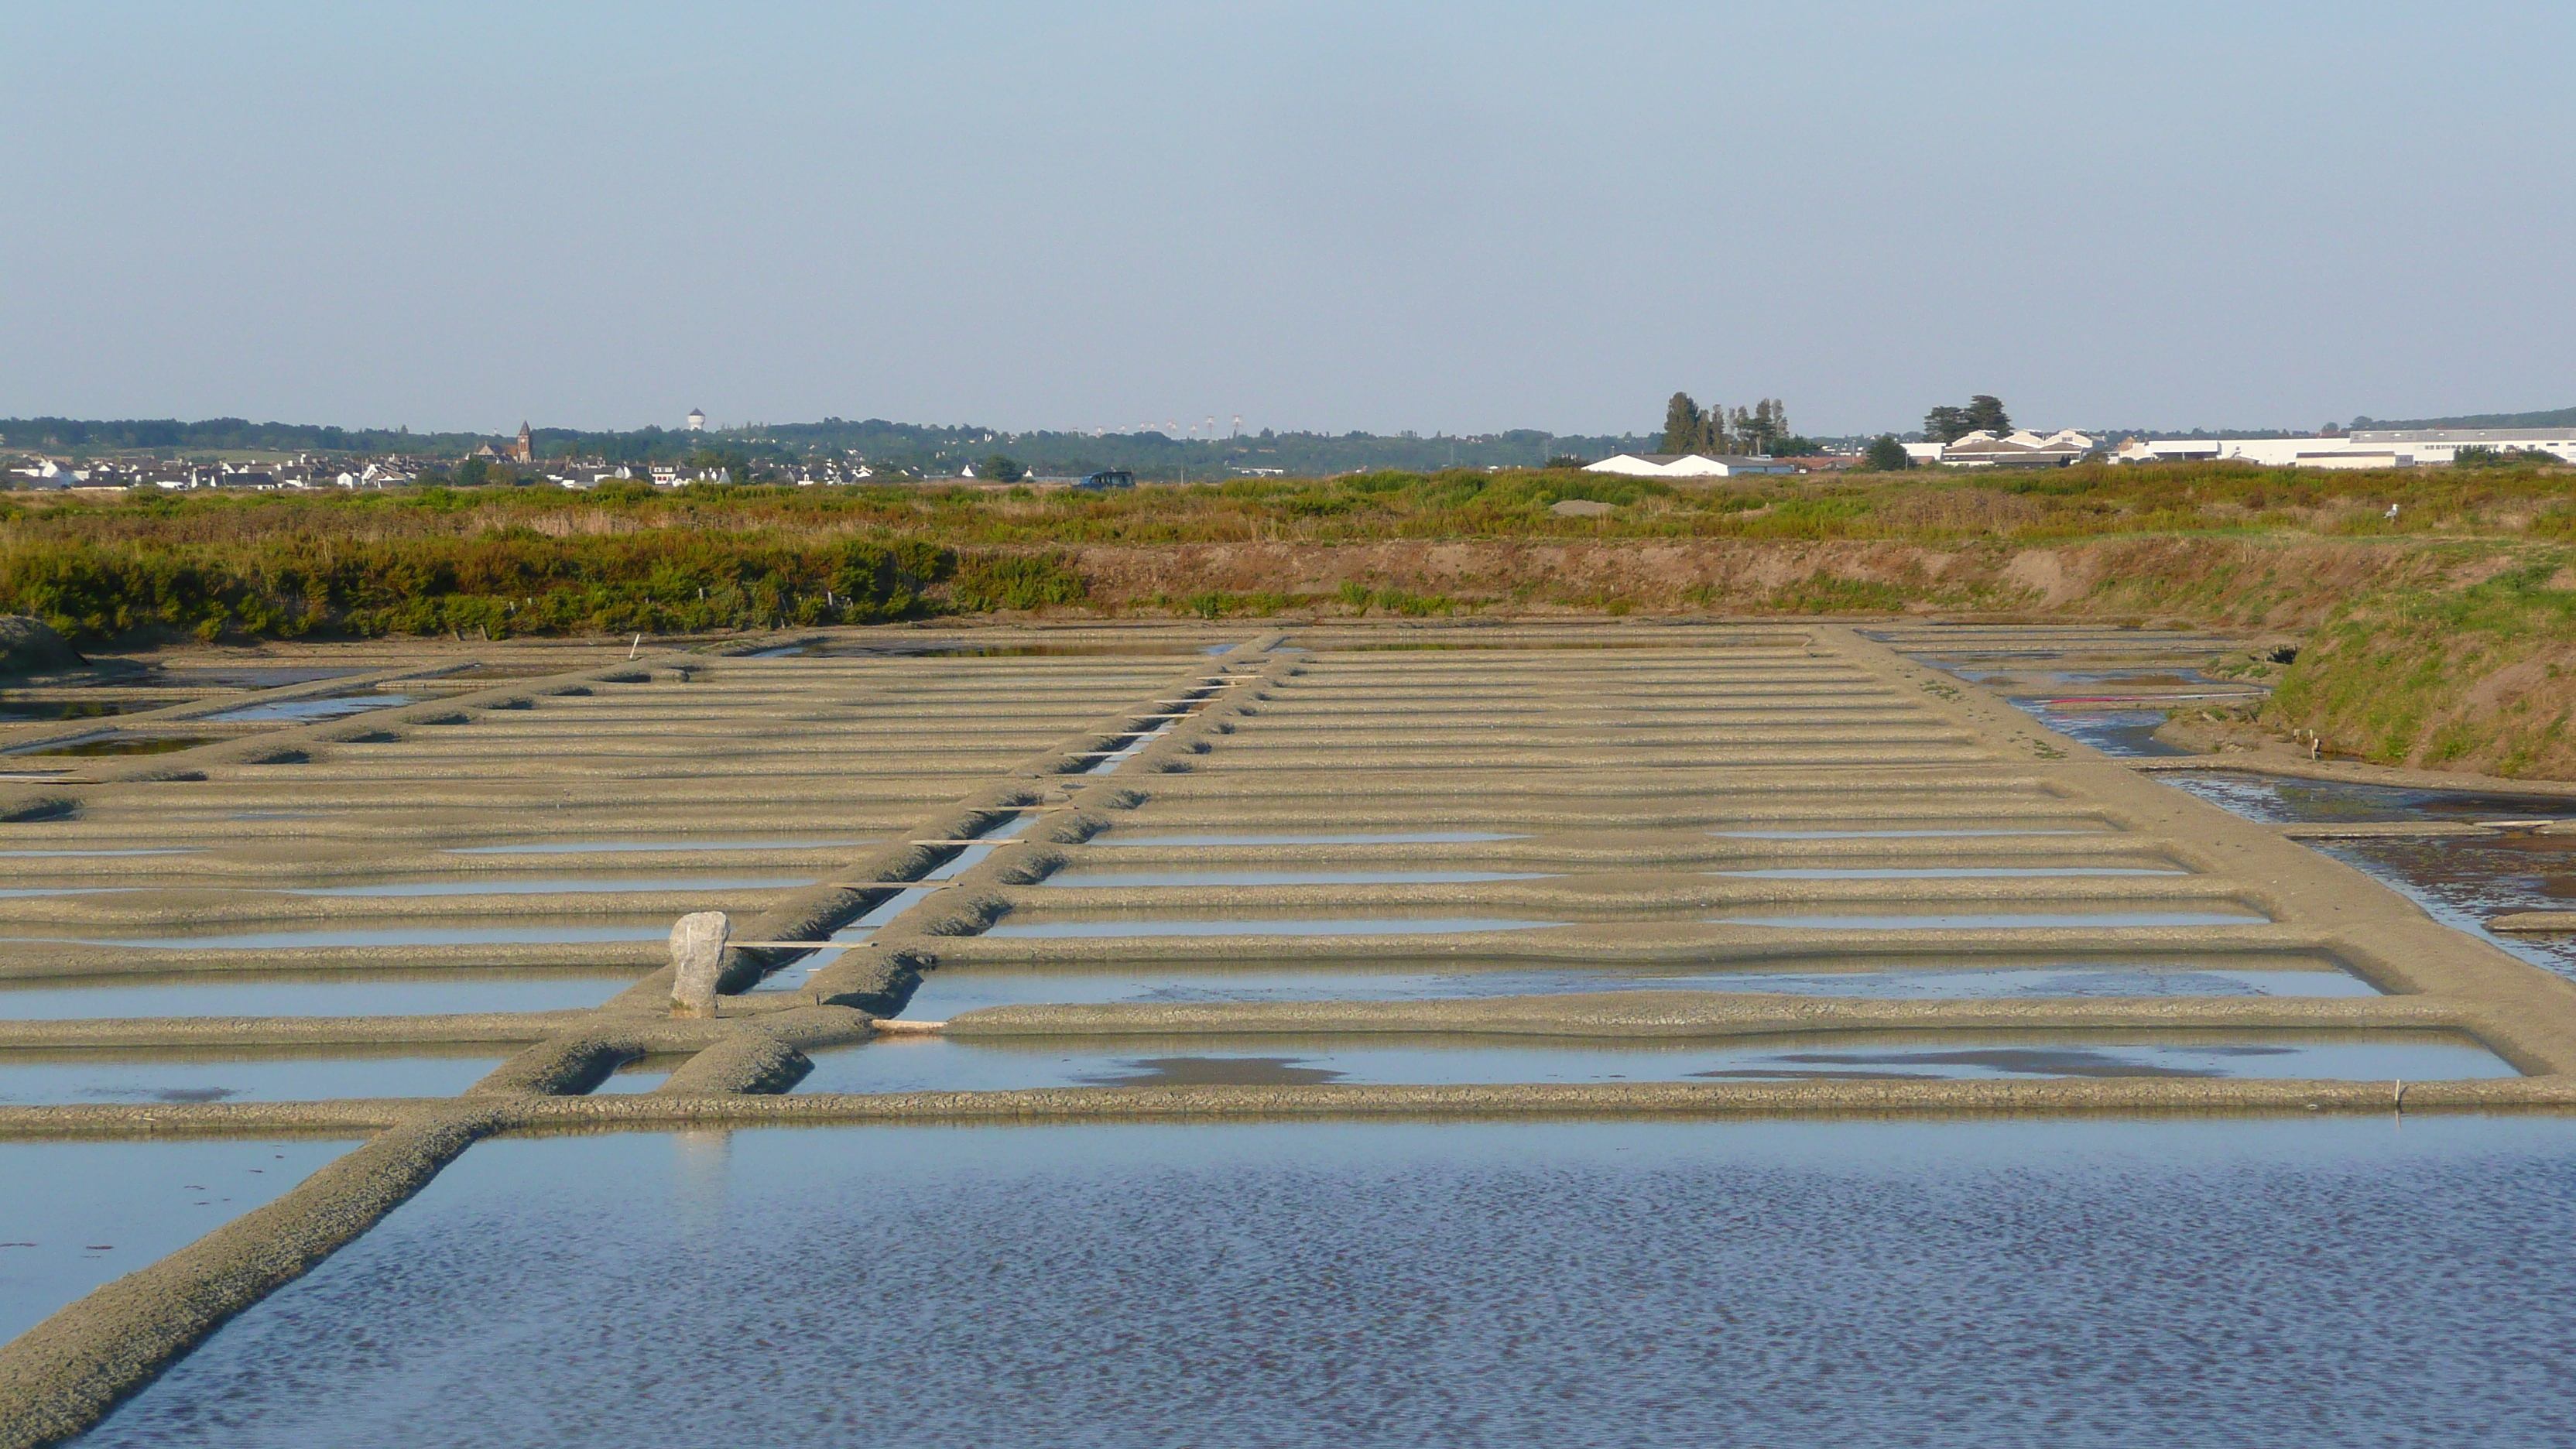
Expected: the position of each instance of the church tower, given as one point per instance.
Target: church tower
(526, 450)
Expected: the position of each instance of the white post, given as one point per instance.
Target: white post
(697, 949)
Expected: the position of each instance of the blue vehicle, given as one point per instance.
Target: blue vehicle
(1108, 478)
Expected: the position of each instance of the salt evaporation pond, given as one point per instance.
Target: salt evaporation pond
(28, 1078)
(75, 1214)
(950, 990)
(1943, 1284)
(313, 994)
(1006, 1063)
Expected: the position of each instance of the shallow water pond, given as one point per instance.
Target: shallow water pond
(2043, 827)
(2461, 881)
(555, 885)
(54, 711)
(135, 1077)
(250, 676)
(583, 847)
(312, 994)
(978, 1064)
(1025, 929)
(119, 745)
(1964, 919)
(2129, 733)
(311, 711)
(1077, 879)
(952, 990)
(1397, 837)
(74, 854)
(1466, 1283)
(928, 650)
(378, 936)
(2324, 802)
(1946, 872)
(75, 1214)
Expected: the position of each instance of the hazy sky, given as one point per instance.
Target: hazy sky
(1383, 215)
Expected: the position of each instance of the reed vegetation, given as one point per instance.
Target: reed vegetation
(627, 557)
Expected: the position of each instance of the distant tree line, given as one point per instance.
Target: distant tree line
(890, 448)
(221, 435)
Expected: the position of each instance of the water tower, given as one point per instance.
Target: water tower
(697, 421)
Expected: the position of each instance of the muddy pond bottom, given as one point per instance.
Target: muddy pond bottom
(952, 990)
(992, 1064)
(2083, 1284)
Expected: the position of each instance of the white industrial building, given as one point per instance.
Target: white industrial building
(2024, 449)
(2362, 448)
(1687, 465)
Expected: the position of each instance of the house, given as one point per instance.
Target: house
(46, 473)
(1687, 465)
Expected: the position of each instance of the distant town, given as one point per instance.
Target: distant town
(229, 453)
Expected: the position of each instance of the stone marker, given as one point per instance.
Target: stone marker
(697, 948)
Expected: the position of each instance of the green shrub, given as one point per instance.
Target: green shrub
(1015, 581)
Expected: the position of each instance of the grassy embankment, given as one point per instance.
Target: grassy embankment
(2442, 639)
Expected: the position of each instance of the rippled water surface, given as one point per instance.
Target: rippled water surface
(2097, 1283)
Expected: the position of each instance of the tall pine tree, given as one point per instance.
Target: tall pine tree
(1685, 430)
